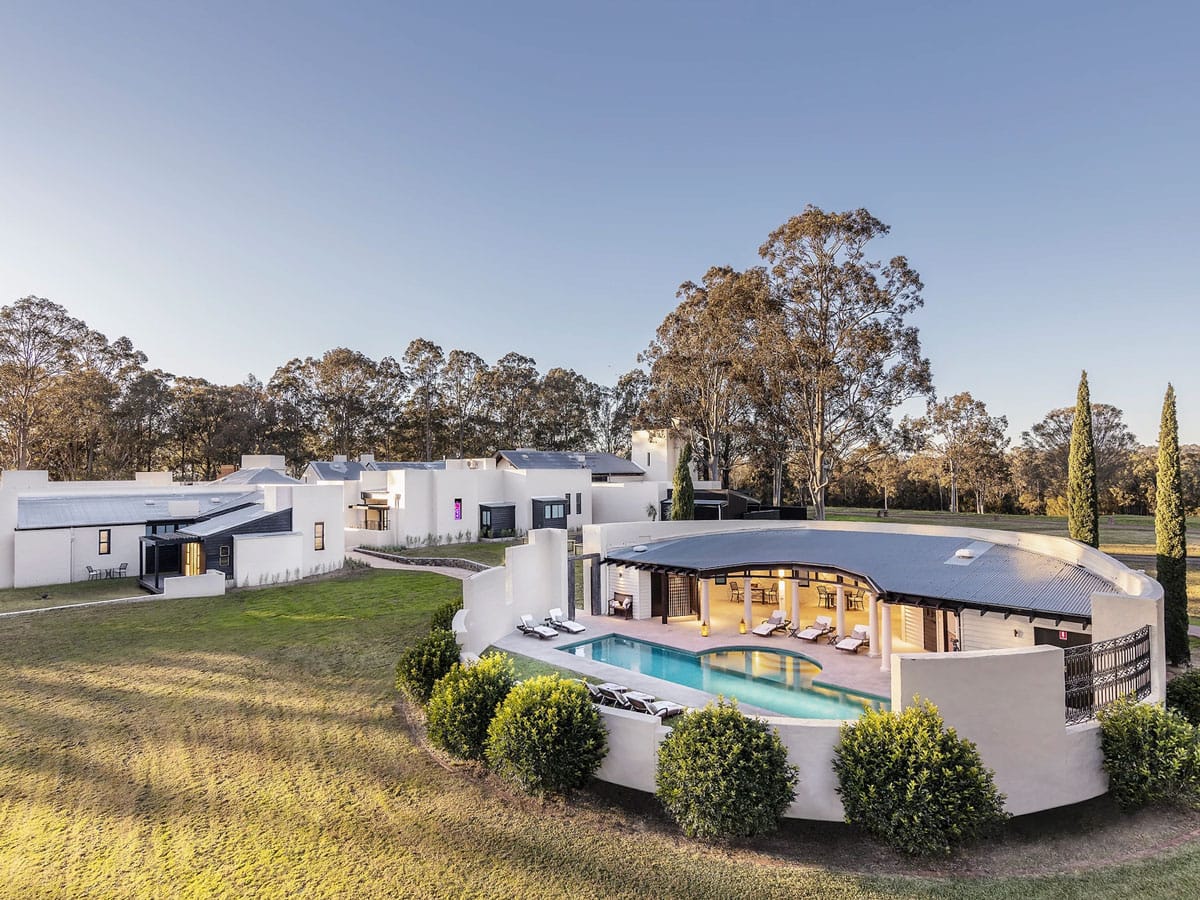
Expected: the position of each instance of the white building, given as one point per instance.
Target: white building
(256, 526)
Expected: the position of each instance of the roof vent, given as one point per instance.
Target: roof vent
(964, 553)
(640, 548)
(214, 499)
(149, 502)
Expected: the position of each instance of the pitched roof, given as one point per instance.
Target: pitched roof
(900, 565)
(379, 466)
(257, 476)
(337, 471)
(599, 463)
(81, 510)
(228, 521)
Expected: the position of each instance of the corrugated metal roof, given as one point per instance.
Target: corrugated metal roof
(257, 476)
(81, 510)
(337, 471)
(898, 564)
(389, 466)
(599, 463)
(228, 521)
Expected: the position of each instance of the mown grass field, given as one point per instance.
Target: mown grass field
(13, 599)
(245, 746)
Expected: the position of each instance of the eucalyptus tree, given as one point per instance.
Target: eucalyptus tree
(1170, 532)
(698, 359)
(463, 383)
(842, 336)
(512, 386)
(959, 431)
(565, 411)
(423, 365)
(620, 411)
(1047, 446)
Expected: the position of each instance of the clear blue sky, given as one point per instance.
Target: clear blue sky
(234, 184)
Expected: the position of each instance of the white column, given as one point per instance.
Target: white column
(748, 598)
(841, 611)
(781, 590)
(872, 623)
(704, 599)
(794, 588)
(885, 611)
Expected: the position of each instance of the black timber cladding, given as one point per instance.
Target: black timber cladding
(272, 523)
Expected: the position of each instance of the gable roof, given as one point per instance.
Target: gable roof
(599, 463)
(230, 521)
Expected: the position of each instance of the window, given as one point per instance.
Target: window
(458, 509)
(105, 545)
(223, 554)
(556, 511)
(318, 535)
(647, 459)
(579, 504)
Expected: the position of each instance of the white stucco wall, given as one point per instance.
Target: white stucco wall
(318, 503)
(267, 558)
(210, 584)
(42, 557)
(487, 610)
(626, 501)
(1114, 615)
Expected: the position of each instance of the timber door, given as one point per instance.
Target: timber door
(930, 629)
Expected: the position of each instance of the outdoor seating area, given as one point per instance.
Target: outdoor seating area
(527, 627)
(120, 571)
(618, 696)
(570, 626)
(621, 605)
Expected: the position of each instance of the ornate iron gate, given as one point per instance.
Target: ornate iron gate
(1097, 674)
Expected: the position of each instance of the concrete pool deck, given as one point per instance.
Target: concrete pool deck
(839, 669)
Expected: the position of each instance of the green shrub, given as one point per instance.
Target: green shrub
(547, 736)
(464, 702)
(1150, 754)
(722, 774)
(425, 662)
(911, 782)
(1183, 695)
(443, 616)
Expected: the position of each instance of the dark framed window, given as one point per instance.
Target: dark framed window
(223, 554)
(556, 511)
(105, 542)
(579, 504)
(318, 535)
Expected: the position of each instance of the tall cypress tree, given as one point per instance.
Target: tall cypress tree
(683, 495)
(1170, 532)
(1083, 508)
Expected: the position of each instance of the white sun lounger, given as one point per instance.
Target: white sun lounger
(530, 630)
(821, 627)
(776, 623)
(556, 620)
(857, 639)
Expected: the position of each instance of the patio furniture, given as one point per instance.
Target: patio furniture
(593, 692)
(854, 600)
(94, 574)
(613, 694)
(821, 627)
(825, 598)
(122, 569)
(556, 620)
(775, 623)
(647, 704)
(621, 605)
(857, 639)
(735, 591)
(527, 628)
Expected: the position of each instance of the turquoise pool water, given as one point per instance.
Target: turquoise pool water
(774, 680)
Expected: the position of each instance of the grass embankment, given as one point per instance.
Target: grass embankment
(14, 599)
(489, 553)
(245, 746)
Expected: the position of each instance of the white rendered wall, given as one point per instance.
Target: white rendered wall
(1114, 615)
(210, 584)
(260, 559)
(536, 574)
(487, 610)
(626, 501)
(42, 557)
(319, 503)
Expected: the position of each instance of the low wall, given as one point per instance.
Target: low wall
(487, 612)
(210, 584)
(452, 562)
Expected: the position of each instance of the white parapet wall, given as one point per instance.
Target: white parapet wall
(210, 584)
(260, 559)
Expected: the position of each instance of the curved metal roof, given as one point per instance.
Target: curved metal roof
(904, 567)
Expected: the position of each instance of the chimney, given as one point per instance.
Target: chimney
(365, 458)
(339, 457)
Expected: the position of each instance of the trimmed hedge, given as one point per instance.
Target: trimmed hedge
(1183, 695)
(913, 783)
(464, 702)
(425, 662)
(1150, 754)
(722, 774)
(547, 736)
(443, 616)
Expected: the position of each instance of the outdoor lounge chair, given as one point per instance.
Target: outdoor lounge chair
(539, 631)
(645, 703)
(556, 620)
(593, 692)
(613, 694)
(776, 623)
(821, 627)
(860, 637)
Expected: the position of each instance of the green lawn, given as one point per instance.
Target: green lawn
(245, 746)
(13, 599)
(487, 552)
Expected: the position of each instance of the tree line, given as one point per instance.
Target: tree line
(786, 378)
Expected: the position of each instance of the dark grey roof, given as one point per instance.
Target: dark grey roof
(80, 510)
(228, 521)
(337, 471)
(900, 565)
(257, 476)
(378, 466)
(599, 463)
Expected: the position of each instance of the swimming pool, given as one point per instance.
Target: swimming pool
(774, 680)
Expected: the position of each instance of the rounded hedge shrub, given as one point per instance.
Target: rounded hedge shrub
(425, 662)
(1183, 695)
(443, 616)
(913, 783)
(464, 702)
(722, 774)
(1150, 754)
(547, 736)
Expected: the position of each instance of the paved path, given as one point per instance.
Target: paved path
(380, 563)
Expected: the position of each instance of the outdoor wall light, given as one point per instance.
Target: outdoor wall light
(703, 629)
